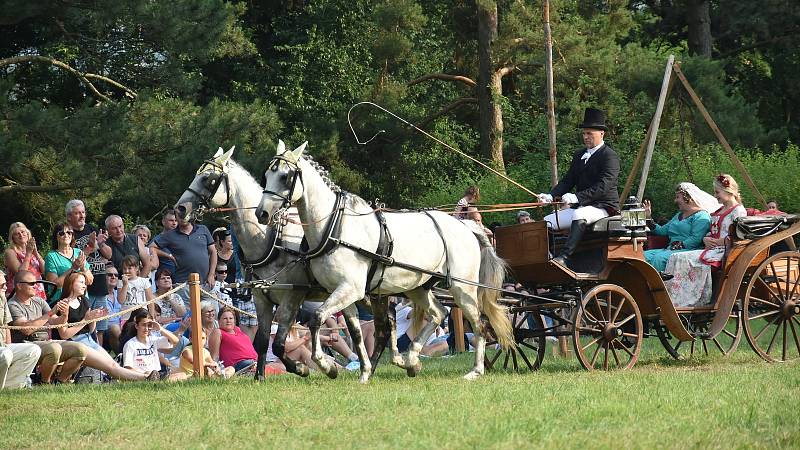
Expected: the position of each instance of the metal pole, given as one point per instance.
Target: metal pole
(196, 325)
(651, 143)
(551, 114)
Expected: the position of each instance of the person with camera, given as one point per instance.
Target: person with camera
(140, 353)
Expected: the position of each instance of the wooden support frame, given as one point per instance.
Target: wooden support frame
(652, 133)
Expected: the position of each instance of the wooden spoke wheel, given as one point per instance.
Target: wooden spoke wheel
(723, 344)
(530, 343)
(607, 330)
(771, 308)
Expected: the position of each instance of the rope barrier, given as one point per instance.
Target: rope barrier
(88, 321)
(249, 314)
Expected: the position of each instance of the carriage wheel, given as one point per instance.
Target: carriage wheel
(607, 330)
(724, 343)
(771, 308)
(529, 349)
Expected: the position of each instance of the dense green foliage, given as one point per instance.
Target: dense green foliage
(209, 73)
(717, 403)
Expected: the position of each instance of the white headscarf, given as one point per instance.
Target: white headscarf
(703, 199)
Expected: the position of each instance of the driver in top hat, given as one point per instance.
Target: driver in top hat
(593, 175)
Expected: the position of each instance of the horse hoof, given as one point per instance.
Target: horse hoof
(302, 370)
(333, 373)
(259, 377)
(471, 376)
(364, 378)
(414, 370)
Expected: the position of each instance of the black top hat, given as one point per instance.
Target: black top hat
(594, 118)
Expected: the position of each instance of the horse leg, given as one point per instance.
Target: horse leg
(343, 296)
(380, 311)
(287, 311)
(423, 298)
(354, 326)
(466, 298)
(264, 307)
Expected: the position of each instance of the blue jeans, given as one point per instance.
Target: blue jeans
(97, 302)
(88, 340)
(242, 364)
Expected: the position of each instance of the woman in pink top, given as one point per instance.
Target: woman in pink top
(23, 254)
(229, 344)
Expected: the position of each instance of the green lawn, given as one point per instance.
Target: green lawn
(739, 402)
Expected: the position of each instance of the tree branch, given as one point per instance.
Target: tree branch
(505, 70)
(23, 188)
(130, 92)
(756, 45)
(443, 76)
(446, 109)
(57, 63)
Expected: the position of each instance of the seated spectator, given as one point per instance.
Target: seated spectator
(772, 210)
(29, 310)
(64, 260)
(172, 307)
(141, 353)
(471, 195)
(691, 285)
(75, 296)
(134, 289)
(229, 345)
(524, 217)
(22, 254)
(16, 360)
(407, 331)
(120, 244)
(112, 304)
(687, 227)
(329, 334)
(213, 369)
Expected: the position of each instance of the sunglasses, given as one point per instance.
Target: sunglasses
(112, 274)
(29, 283)
(64, 233)
(222, 271)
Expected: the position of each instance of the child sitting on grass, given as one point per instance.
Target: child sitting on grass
(212, 368)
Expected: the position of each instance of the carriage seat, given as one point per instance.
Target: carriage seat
(610, 227)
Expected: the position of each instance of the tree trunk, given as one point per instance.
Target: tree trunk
(699, 22)
(491, 116)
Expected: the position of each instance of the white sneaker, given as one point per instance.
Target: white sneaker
(352, 366)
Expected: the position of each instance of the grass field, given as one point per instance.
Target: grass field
(738, 402)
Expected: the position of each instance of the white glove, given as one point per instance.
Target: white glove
(545, 198)
(569, 198)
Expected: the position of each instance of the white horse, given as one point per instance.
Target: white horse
(221, 182)
(431, 242)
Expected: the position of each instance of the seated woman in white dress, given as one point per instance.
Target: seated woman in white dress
(691, 284)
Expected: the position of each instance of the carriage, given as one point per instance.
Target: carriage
(611, 298)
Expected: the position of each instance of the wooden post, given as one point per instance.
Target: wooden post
(739, 166)
(551, 114)
(651, 142)
(196, 324)
(457, 327)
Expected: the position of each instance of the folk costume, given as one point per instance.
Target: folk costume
(689, 231)
(593, 173)
(692, 283)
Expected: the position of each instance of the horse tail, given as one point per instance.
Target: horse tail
(492, 273)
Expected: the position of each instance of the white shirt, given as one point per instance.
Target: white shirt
(144, 357)
(591, 151)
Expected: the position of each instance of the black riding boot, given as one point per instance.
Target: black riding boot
(575, 235)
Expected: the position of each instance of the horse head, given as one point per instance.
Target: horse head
(208, 189)
(282, 182)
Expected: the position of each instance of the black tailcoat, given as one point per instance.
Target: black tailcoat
(595, 182)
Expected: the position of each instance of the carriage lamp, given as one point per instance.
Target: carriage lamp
(633, 217)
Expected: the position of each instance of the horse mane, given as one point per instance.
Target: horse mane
(323, 173)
